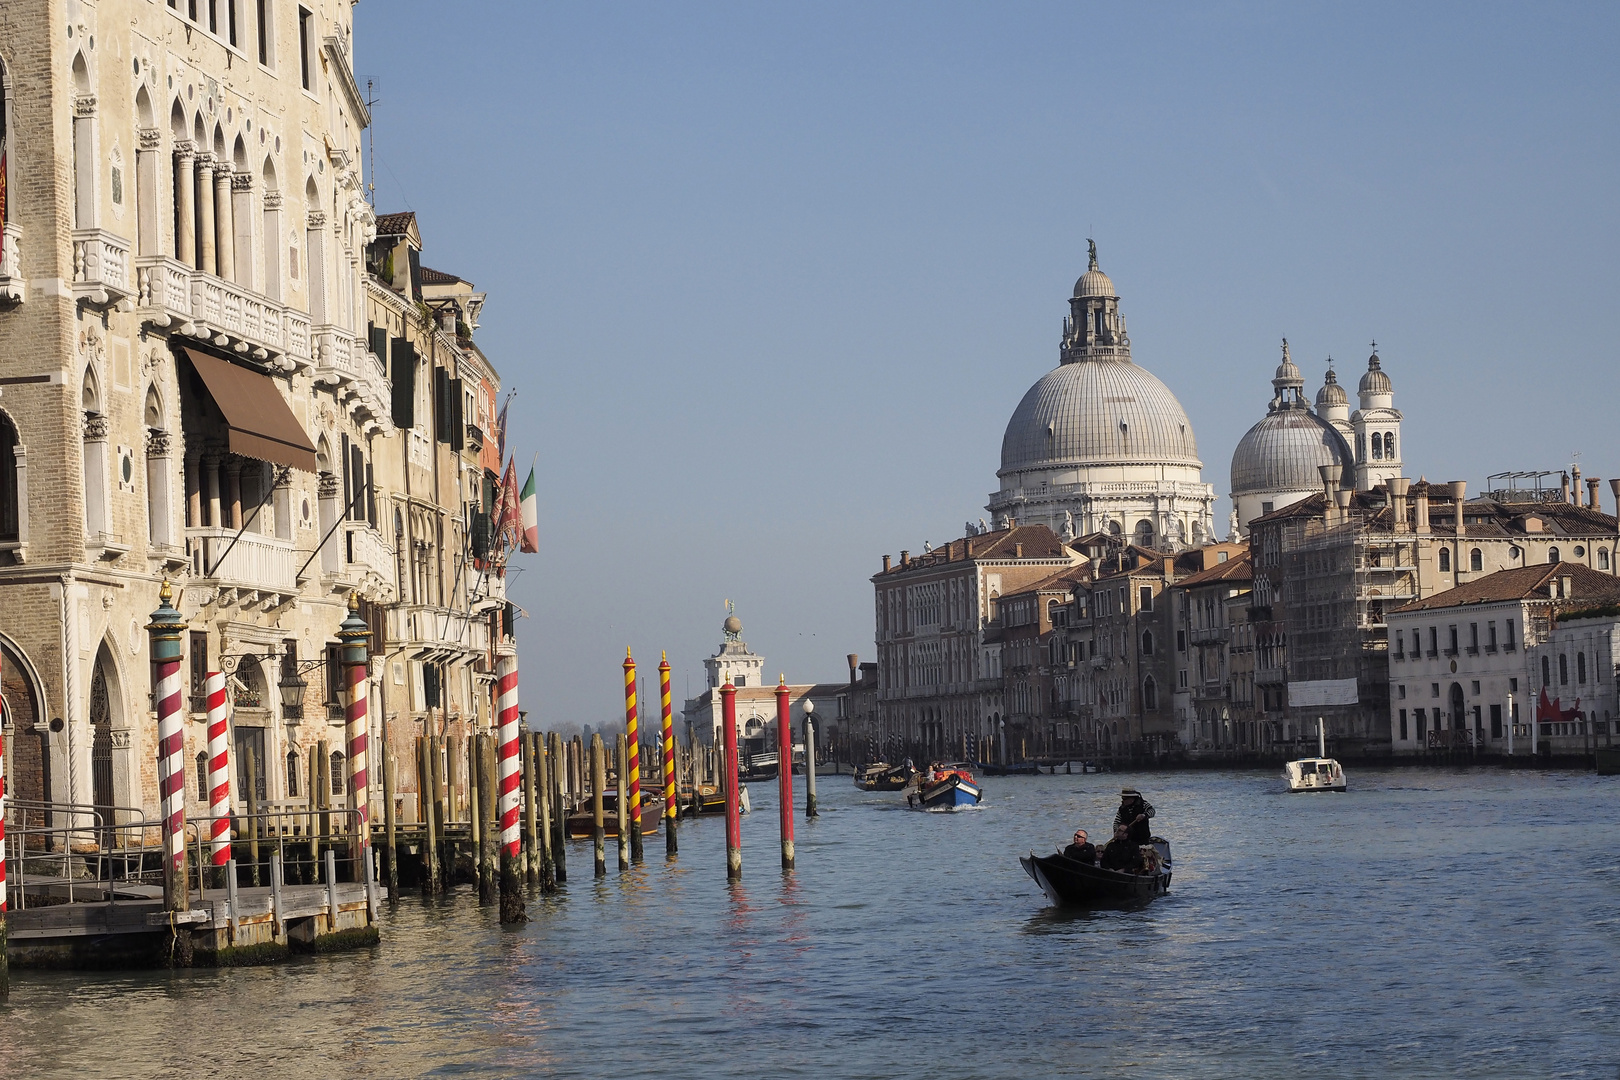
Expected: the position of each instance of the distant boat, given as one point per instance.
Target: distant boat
(1070, 883)
(1022, 768)
(881, 776)
(947, 788)
(711, 799)
(1320, 773)
(581, 825)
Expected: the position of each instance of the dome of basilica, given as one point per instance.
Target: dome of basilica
(1285, 452)
(1098, 412)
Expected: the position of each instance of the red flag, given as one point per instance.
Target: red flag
(508, 523)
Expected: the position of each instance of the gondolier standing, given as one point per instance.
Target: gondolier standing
(1134, 813)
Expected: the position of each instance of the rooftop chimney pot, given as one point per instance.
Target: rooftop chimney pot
(1459, 495)
(1592, 498)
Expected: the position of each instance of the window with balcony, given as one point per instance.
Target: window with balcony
(1434, 643)
(1473, 639)
(1451, 638)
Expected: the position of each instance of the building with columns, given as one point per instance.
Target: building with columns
(195, 385)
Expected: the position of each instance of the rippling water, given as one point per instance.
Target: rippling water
(1425, 924)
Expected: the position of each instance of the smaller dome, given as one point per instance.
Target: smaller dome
(1287, 375)
(732, 625)
(1094, 283)
(1284, 452)
(1331, 394)
(1375, 381)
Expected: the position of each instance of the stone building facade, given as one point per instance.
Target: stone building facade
(188, 390)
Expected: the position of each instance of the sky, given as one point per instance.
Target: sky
(769, 280)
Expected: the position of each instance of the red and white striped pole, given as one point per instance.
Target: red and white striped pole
(784, 769)
(728, 773)
(355, 635)
(508, 775)
(219, 771)
(632, 738)
(164, 634)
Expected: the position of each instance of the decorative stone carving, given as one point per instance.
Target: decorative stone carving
(157, 442)
(149, 138)
(242, 181)
(84, 105)
(327, 485)
(283, 477)
(317, 219)
(95, 427)
(185, 148)
(272, 200)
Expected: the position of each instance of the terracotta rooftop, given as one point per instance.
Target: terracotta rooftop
(1523, 583)
(1240, 568)
(1485, 518)
(431, 276)
(395, 224)
(1000, 545)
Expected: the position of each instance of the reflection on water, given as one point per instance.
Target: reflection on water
(1425, 924)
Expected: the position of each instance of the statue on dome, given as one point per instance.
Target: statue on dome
(1068, 525)
(1092, 245)
(1233, 531)
(983, 528)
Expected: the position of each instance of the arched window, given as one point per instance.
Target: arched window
(1476, 560)
(1377, 446)
(1546, 673)
(1143, 535)
(202, 777)
(1580, 668)
(1389, 445)
(1552, 555)
(1603, 558)
(1150, 694)
(292, 774)
(10, 508)
(1445, 560)
(157, 470)
(337, 772)
(1563, 670)
(1147, 643)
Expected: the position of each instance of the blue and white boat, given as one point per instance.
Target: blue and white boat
(945, 788)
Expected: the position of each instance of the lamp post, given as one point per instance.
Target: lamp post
(809, 759)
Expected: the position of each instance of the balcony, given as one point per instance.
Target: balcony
(439, 633)
(1270, 676)
(254, 570)
(1211, 635)
(100, 267)
(475, 438)
(12, 286)
(168, 293)
(369, 557)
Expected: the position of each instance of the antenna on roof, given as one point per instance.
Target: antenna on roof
(371, 141)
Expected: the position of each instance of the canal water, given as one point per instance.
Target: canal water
(1425, 924)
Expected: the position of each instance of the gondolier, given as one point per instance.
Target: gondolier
(1134, 813)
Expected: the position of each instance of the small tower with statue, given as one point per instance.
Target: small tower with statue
(734, 662)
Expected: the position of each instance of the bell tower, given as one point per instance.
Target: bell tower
(1377, 427)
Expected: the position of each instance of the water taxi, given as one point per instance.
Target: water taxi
(946, 787)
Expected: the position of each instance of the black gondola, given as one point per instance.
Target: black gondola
(1071, 883)
(881, 776)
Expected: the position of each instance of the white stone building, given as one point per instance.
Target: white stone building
(1099, 444)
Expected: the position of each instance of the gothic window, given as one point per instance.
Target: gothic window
(1150, 694)
(337, 772)
(10, 510)
(292, 774)
(202, 777)
(1147, 643)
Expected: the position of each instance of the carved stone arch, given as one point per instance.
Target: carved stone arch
(143, 108)
(81, 75)
(239, 158)
(199, 134)
(28, 765)
(90, 395)
(219, 143)
(153, 413)
(178, 125)
(269, 174)
(312, 195)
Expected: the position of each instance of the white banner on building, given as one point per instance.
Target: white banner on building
(1323, 692)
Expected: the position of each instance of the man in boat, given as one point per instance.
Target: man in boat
(1134, 813)
(1121, 854)
(1082, 850)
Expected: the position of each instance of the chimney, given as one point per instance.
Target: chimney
(1169, 569)
(969, 547)
(1592, 499)
(1342, 497)
(1575, 482)
(1398, 486)
(905, 558)
(1331, 474)
(854, 672)
(1566, 486)
(1566, 587)
(1614, 486)
(1459, 495)
(1018, 551)
(1420, 511)
(885, 564)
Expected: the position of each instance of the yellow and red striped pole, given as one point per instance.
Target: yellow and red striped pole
(671, 795)
(632, 738)
(784, 769)
(219, 771)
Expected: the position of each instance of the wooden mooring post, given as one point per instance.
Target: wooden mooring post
(556, 766)
(438, 766)
(253, 822)
(542, 804)
(598, 782)
(531, 811)
(426, 798)
(623, 801)
(390, 818)
(484, 816)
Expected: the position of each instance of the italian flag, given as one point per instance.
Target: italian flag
(531, 516)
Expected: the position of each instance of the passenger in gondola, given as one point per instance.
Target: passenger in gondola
(1121, 854)
(1082, 850)
(1134, 813)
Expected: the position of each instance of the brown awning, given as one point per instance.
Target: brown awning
(261, 424)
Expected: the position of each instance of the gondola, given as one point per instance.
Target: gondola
(1070, 883)
(881, 776)
(1021, 768)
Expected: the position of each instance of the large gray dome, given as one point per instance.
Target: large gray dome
(1098, 411)
(1284, 452)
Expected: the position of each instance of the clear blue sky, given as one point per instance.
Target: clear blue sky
(769, 280)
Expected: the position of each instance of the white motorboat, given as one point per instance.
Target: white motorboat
(1320, 773)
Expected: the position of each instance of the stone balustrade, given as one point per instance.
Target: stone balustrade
(170, 293)
(100, 267)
